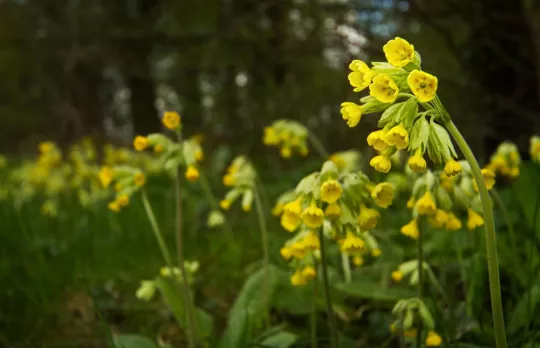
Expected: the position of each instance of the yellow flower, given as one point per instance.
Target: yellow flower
(377, 140)
(285, 253)
(439, 219)
(291, 219)
(270, 137)
(199, 155)
(285, 152)
(352, 244)
(192, 174)
(332, 211)
(171, 120)
(489, 179)
(313, 216)
(423, 85)
(384, 88)
(381, 163)
(225, 204)
(330, 191)
(106, 175)
(139, 179)
(297, 279)
(277, 209)
(398, 137)
(411, 333)
(397, 276)
(114, 206)
(452, 168)
(398, 52)
(358, 261)
(453, 223)
(426, 204)
(311, 241)
(411, 229)
(228, 180)
(298, 250)
(158, 148)
(376, 252)
(417, 163)
(535, 148)
(46, 146)
(361, 75)
(308, 272)
(433, 339)
(351, 112)
(368, 218)
(474, 220)
(411, 203)
(140, 143)
(383, 194)
(122, 200)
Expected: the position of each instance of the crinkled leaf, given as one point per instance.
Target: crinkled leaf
(409, 113)
(419, 134)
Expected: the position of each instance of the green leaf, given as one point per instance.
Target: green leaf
(282, 339)
(390, 115)
(373, 291)
(308, 184)
(171, 291)
(419, 134)
(527, 190)
(519, 317)
(409, 113)
(249, 308)
(133, 341)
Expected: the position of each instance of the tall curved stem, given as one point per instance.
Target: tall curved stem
(491, 241)
(155, 228)
(329, 308)
(264, 243)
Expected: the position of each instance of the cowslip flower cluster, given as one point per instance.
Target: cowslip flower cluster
(125, 180)
(398, 88)
(505, 161)
(148, 288)
(241, 178)
(535, 148)
(289, 136)
(413, 313)
(342, 204)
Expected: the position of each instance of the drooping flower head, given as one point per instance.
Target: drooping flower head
(423, 85)
(384, 88)
(399, 52)
(361, 75)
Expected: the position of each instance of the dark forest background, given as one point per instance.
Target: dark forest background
(108, 68)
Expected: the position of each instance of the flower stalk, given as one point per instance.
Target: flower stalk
(491, 241)
(329, 308)
(155, 228)
(264, 243)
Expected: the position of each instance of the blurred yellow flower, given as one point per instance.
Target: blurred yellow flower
(225, 204)
(199, 155)
(158, 148)
(311, 241)
(381, 163)
(291, 219)
(122, 200)
(330, 191)
(352, 244)
(313, 216)
(308, 272)
(368, 218)
(426, 204)
(383, 194)
(114, 206)
(452, 168)
(139, 179)
(140, 143)
(417, 163)
(439, 219)
(171, 120)
(398, 52)
(376, 252)
(106, 175)
(228, 180)
(332, 211)
(270, 137)
(358, 261)
(285, 253)
(453, 223)
(474, 220)
(423, 85)
(411, 229)
(192, 173)
(351, 112)
(297, 279)
(397, 276)
(384, 89)
(285, 152)
(433, 339)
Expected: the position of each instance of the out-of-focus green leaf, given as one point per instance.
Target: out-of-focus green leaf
(133, 341)
(373, 291)
(282, 339)
(526, 190)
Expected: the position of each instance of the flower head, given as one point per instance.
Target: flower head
(452, 168)
(489, 179)
(433, 339)
(171, 120)
(368, 218)
(398, 52)
(381, 163)
(311, 241)
(352, 244)
(225, 204)
(397, 276)
(411, 229)
(330, 191)
(140, 143)
(384, 89)
(229, 180)
(106, 175)
(358, 261)
(123, 200)
(376, 252)
(291, 219)
(285, 253)
(313, 216)
(423, 85)
(453, 223)
(474, 220)
(426, 204)
(114, 206)
(297, 279)
(285, 152)
(361, 75)
(139, 179)
(158, 148)
(308, 272)
(383, 194)
(417, 163)
(377, 140)
(351, 112)
(270, 137)
(192, 173)
(332, 211)
(439, 219)
(398, 137)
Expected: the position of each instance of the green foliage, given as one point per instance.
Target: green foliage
(133, 341)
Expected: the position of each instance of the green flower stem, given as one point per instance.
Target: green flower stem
(420, 251)
(329, 308)
(346, 267)
(317, 144)
(491, 241)
(264, 243)
(156, 230)
(313, 317)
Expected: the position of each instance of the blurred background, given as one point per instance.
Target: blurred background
(71, 68)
